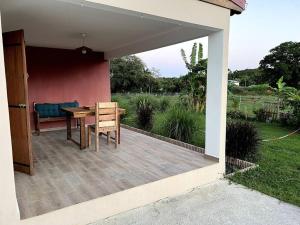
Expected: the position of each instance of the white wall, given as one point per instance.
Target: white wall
(216, 102)
(9, 211)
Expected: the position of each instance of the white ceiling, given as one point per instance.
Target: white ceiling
(57, 23)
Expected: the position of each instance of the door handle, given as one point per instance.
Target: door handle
(20, 106)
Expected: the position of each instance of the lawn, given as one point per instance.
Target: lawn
(278, 174)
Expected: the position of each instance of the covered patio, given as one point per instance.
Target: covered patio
(70, 186)
(66, 176)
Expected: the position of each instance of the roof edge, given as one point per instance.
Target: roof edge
(235, 6)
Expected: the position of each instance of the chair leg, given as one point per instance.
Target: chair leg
(89, 136)
(108, 137)
(97, 141)
(116, 138)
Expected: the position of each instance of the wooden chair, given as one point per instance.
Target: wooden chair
(106, 121)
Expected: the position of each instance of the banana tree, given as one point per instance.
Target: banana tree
(196, 78)
(280, 92)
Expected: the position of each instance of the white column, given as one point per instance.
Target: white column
(217, 78)
(9, 211)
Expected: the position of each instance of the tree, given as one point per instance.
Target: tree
(196, 78)
(130, 74)
(246, 77)
(283, 60)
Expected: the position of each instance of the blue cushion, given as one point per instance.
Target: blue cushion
(66, 105)
(47, 110)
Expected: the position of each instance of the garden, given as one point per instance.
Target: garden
(263, 116)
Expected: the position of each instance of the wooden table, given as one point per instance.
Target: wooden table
(81, 113)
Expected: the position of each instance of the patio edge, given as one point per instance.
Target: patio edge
(103, 207)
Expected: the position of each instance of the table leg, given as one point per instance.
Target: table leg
(69, 127)
(119, 134)
(82, 133)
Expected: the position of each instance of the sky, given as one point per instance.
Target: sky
(262, 26)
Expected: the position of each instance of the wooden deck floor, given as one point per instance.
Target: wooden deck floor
(65, 175)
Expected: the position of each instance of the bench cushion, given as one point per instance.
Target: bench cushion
(52, 110)
(47, 110)
(66, 105)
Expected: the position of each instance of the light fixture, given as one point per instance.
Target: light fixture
(83, 49)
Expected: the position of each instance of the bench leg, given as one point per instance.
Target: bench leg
(37, 126)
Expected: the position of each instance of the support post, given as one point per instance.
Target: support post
(9, 211)
(216, 103)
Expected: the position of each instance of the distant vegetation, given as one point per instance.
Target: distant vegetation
(130, 74)
(264, 107)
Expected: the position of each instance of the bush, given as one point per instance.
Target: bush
(144, 111)
(164, 104)
(262, 115)
(179, 124)
(149, 98)
(185, 101)
(292, 117)
(236, 115)
(242, 141)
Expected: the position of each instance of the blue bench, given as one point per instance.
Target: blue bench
(50, 112)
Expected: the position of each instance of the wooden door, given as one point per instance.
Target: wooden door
(17, 93)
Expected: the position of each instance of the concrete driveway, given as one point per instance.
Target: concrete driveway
(217, 203)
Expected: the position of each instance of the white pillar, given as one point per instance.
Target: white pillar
(9, 211)
(217, 78)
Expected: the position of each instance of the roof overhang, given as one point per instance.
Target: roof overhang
(236, 6)
(111, 29)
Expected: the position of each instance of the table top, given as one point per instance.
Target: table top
(78, 112)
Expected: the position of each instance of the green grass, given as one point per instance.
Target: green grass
(249, 103)
(278, 174)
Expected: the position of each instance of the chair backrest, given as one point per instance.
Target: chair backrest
(106, 115)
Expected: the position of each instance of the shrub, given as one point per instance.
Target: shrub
(262, 115)
(149, 98)
(164, 104)
(144, 111)
(236, 115)
(294, 102)
(292, 117)
(179, 124)
(185, 101)
(242, 141)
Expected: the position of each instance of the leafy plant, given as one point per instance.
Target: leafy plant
(179, 124)
(237, 115)
(294, 102)
(242, 141)
(144, 111)
(164, 104)
(150, 98)
(262, 114)
(185, 101)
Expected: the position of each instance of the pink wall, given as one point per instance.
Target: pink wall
(59, 75)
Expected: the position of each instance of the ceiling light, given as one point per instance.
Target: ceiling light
(83, 49)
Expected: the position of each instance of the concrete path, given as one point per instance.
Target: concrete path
(218, 203)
